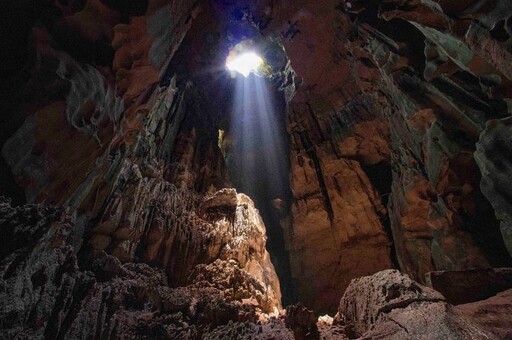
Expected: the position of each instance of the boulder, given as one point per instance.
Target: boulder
(390, 305)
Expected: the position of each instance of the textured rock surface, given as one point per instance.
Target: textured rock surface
(493, 158)
(389, 305)
(45, 293)
(492, 314)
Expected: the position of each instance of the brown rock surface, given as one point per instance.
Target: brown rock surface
(471, 285)
(336, 237)
(302, 321)
(371, 297)
(493, 314)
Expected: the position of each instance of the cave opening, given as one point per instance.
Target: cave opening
(245, 63)
(256, 148)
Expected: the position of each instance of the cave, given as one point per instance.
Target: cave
(214, 169)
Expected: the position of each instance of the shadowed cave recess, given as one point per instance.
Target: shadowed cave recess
(355, 184)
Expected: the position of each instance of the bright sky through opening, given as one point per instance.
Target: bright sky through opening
(244, 63)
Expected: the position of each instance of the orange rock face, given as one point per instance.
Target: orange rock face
(337, 237)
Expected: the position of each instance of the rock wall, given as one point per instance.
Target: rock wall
(442, 98)
(393, 162)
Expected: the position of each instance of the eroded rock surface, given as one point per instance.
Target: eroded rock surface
(46, 294)
(492, 314)
(389, 305)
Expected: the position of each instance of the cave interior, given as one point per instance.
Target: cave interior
(242, 169)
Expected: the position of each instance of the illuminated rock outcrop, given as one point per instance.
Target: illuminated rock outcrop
(229, 276)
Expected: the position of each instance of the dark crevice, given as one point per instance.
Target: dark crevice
(402, 304)
(315, 120)
(485, 229)
(381, 177)
(8, 186)
(99, 52)
(406, 35)
(310, 149)
(499, 32)
(128, 8)
(399, 325)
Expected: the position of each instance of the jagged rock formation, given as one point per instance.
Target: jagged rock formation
(438, 212)
(396, 115)
(46, 295)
